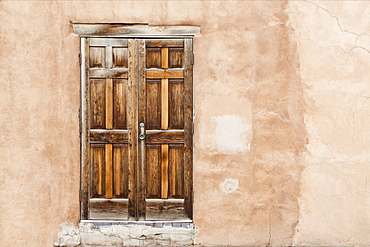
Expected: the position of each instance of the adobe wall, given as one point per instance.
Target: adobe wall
(281, 138)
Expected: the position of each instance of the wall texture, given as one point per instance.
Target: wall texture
(281, 90)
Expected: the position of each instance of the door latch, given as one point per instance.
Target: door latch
(142, 131)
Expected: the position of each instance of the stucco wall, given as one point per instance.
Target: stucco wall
(281, 129)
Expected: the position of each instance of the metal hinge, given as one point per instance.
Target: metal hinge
(81, 195)
(192, 58)
(192, 196)
(79, 59)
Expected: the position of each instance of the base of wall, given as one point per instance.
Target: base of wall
(126, 234)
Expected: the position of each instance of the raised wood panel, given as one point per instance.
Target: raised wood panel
(97, 185)
(119, 104)
(176, 104)
(153, 104)
(120, 171)
(176, 58)
(97, 57)
(120, 57)
(153, 171)
(97, 103)
(153, 58)
(108, 210)
(176, 171)
(165, 210)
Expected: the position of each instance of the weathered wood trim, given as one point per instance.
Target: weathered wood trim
(126, 30)
(85, 149)
(140, 78)
(188, 115)
(132, 119)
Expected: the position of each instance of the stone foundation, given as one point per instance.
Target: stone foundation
(126, 234)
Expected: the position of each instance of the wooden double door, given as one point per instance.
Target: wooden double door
(136, 129)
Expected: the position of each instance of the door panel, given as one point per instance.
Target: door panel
(139, 129)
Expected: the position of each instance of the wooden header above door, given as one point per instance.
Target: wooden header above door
(131, 30)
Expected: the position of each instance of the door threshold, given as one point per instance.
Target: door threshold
(152, 223)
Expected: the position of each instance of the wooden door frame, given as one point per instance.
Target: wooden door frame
(142, 31)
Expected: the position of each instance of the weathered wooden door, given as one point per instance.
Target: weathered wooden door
(136, 129)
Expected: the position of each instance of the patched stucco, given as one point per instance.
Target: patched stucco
(281, 126)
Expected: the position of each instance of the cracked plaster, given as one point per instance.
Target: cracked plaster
(292, 74)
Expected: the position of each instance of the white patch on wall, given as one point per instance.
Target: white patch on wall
(229, 185)
(231, 134)
(68, 236)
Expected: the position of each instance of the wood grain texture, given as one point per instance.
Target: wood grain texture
(119, 103)
(108, 171)
(97, 186)
(108, 103)
(120, 57)
(164, 171)
(141, 181)
(132, 110)
(164, 104)
(153, 104)
(161, 74)
(102, 136)
(164, 57)
(165, 137)
(153, 58)
(164, 43)
(108, 210)
(120, 170)
(176, 104)
(176, 58)
(188, 127)
(153, 171)
(97, 103)
(97, 57)
(124, 30)
(176, 171)
(108, 73)
(84, 121)
(165, 210)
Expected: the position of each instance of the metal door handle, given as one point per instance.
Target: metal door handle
(142, 131)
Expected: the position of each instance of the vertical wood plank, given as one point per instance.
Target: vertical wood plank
(98, 172)
(152, 105)
(117, 170)
(109, 56)
(85, 150)
(176, 103)
(153, 171)
(132, 129)
(108, 171)
(164, 54)
(119, 103)
(140, 79)
(97, 103)
(164, 104)
(109, 103)
(188, 124)
(164, 177)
